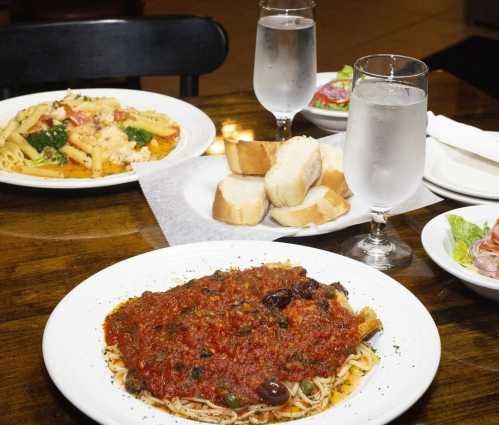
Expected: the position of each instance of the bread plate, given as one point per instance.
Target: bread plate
(437, 241)
(327, 120)
(196, 134)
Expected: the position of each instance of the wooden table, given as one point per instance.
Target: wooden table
(52, 240)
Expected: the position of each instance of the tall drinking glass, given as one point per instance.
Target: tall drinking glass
(385, 148)
(284, 75)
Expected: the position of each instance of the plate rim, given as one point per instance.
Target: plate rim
(467, 199)
(433, 246)
(396, 409)
(24, 180)
(451, 187)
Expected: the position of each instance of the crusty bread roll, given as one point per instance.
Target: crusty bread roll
(250, 158)
(297, 166)
(332, 170)
(240, 200)
(320, 206)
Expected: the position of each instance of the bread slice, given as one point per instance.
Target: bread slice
(250, 158)
(296, 168)
(320, 206)
(240, 200)
(332, 170)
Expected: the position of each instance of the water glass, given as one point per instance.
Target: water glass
(284, 75)
(385, 148)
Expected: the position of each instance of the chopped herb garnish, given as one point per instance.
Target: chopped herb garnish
(138, 135)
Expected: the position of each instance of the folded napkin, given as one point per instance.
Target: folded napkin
(463, 136)
(181, 197)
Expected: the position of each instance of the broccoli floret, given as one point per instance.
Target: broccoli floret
(49, 156)
(140, 136)
(54, 137)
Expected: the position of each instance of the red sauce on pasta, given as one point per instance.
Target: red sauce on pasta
(214, 335)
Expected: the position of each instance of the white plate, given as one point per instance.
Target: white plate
(438, 242)
(330, 121)
(409, 345)
(465, 199)
(197, 132)
(461, 171)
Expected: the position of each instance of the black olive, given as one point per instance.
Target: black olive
(280, 298)
(305, 289)
(273, 393)
(196, 372)
(232, 400)
(133, 382)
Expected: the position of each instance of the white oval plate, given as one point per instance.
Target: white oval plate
(461, 171)
(330, 121)
(465, 199)
(437, 241)
(409, 346)
(196, 134)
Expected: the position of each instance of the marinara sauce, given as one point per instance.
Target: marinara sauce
(232, 331)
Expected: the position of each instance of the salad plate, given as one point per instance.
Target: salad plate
(454, 245)
(327, 119)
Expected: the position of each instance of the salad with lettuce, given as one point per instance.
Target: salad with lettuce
(335, 94)
(475, 247)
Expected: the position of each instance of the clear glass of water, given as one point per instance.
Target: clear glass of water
(385, 148)
(284, 76)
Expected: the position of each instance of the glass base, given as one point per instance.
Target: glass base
(382, 254)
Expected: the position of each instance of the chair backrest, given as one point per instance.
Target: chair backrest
(187, 46)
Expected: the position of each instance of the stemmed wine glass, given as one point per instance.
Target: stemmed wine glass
(284, 75)
(385, 148)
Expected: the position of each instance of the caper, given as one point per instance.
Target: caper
(307, 386)
(245, 329)
(273, 393)
(232, 400)
(280, 298)
(196, 372)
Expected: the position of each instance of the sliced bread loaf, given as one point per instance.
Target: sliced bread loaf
(320, 206)
(297, 166)
(240, 200)
(332, 170)
(250, 158)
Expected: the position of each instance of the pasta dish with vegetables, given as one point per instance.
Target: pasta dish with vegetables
(260, 345)
(81, 136)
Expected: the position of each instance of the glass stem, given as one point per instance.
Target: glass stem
(283, 128)
(377, 234)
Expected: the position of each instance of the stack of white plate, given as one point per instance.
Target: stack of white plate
(460, 175)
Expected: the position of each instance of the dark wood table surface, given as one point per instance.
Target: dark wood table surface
(52, 240)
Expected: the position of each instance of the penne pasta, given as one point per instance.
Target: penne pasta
(27, 149)
(8, 130)
(83, 143)
(32, 119)
(97, 161)
(151, 127)
(77, 155)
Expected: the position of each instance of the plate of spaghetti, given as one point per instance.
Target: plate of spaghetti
(92, 137)
(260, 332)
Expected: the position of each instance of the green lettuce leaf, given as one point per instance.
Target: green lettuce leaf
(464, 234)
(346, 73)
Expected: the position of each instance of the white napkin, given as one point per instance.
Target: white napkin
(463, 136)
(181, 196)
